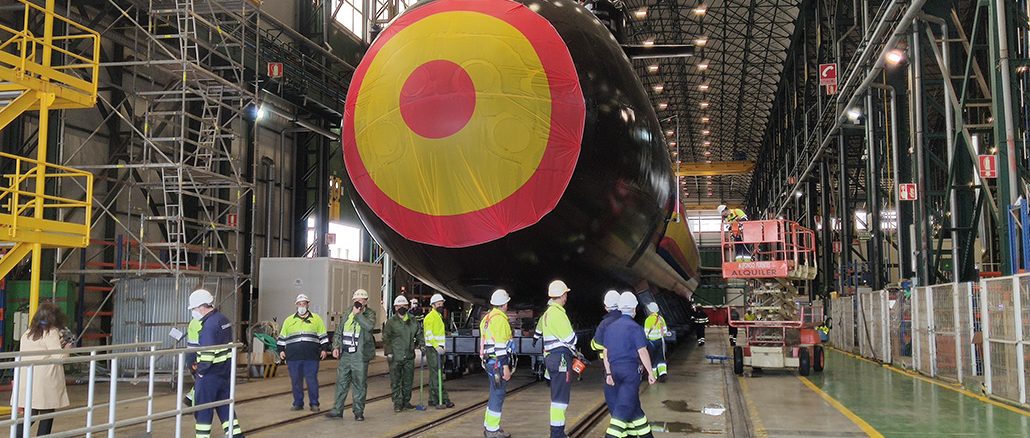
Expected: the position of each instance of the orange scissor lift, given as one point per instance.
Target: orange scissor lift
(778, 323)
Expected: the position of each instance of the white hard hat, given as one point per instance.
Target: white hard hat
(611, 299)
(414, 301)
(721, 207)
(499, 298)
(302, 297)
(199, 297)
(360, 293)
(435, 298)
(557, 288)
(652, 307)
(400, 301)
(627, 301)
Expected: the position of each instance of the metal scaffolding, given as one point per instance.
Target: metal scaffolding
(921, 97)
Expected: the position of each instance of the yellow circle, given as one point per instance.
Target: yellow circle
(494, 154)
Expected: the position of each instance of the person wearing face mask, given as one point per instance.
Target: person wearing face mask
(399, 338)
(436, 339)
(213, 368)
(303, 342)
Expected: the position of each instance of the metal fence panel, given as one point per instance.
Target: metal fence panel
(849, 324)
(945, 332)
(921, 328)
(1002, 368)
(901, 328)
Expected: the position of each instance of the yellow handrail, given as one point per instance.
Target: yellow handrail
(21, 51)
(20, 204)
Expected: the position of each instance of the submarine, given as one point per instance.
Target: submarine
(507, 143)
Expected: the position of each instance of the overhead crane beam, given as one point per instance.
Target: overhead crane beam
(715, 168)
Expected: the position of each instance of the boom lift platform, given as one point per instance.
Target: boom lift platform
(774, 257)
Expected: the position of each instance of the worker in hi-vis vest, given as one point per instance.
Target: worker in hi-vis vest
(495, 350)
(559, 339)
(656, 329)
(436, 339)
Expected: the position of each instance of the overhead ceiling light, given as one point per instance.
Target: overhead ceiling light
(675, 153)
(1022, 69)
(895, 57)
(706, 132)
(705, 120)
(700, 10)
(662, 106)
(649, 42)
(672, 144)
(709, 177)
(701, 41)
(708, 161)
(640, 13)
(653, 68)
(708, 153)
(670, 132)
(707, 143)
(704, 104)
(702, 66)
(702, 87)
(659, 88)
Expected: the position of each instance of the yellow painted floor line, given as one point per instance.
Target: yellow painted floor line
(939, 383)
(752, 411)
(868, 429)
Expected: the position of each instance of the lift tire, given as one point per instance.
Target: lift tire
(818, 360)
(804, 362)
(738, 360)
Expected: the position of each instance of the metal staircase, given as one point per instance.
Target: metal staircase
(41, 73)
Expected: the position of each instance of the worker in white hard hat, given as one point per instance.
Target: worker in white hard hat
(435, 333)
(213, 367)
(625, 355)
(611, 305)
(400, 335)
(733, 218)
(559, 339)
(495, 349)
(656, 330)
(302, 343)
(355, 347)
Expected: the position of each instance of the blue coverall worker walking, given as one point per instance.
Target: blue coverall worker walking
(214, 367)
(435, 333)
(625, 351)
(400, 335)
(555, 329)
(656, 329)
(495, 348)
(611, 306)
(302, 343)
(354, 346)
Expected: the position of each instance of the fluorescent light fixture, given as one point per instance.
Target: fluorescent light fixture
(705, 119)
(854, 114)
(640, 13)
(702, 66)
(700, 41)
(706, 132)
(700, 10)
(702, 87)
(659, 88)
(649, 42)
(704, 104)
(653, 68)
(662, 106)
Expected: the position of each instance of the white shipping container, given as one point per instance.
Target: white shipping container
(328, 282)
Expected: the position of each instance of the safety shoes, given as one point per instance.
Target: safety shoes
(499, 433)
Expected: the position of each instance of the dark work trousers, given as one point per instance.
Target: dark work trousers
(302, 371)
(211, 388)
(559, 367)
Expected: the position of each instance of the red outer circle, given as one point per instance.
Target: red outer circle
(529, 203)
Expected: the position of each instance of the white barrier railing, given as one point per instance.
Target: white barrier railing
(1006, 323)
(23, 367)
(874, 334)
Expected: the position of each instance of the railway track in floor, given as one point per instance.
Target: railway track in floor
(594, 418)
(257, 398)
(459, 413)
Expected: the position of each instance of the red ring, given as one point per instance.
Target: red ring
(541, 192)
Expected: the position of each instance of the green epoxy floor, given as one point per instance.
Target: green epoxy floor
(901, 406)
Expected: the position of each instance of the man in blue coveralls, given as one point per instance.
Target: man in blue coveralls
(625, 350)
(611, 305)
(214, 367)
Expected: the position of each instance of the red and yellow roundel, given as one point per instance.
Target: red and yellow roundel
(463, 122)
